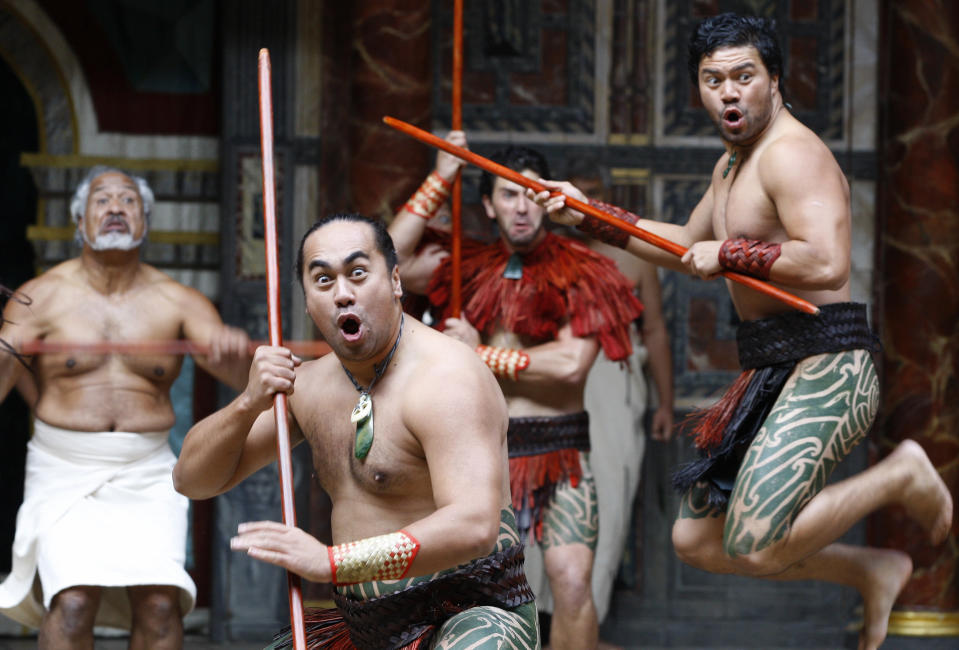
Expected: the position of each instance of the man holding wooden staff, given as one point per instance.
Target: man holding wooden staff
(101, 529)
(408, 433)
(536, 309)
(777, 208)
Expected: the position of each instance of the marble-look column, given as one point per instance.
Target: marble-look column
(918, 289)
(391, 76)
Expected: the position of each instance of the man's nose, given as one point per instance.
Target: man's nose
(343, 292)
(728, 91)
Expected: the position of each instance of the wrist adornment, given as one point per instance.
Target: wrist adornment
(384, 557)
(426, 201)
(504, 362)
(749, 256)
(604, 232)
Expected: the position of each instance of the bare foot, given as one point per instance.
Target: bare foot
(886, 573)
(926, 497)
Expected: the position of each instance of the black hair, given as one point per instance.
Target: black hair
(733, 30)
(384, 243)
(518, 159)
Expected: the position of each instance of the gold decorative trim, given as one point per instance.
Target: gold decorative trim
(66, 233)
(923, 623)
(633, 139)
(131, 164)
(628, 175)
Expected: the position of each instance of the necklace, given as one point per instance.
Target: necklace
(362, 415)
(729, 165)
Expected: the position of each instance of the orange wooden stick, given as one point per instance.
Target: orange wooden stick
(42, 346)
(276, 334)
(456, 254)
(660, 242)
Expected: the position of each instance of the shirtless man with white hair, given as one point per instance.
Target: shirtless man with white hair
(101, 526)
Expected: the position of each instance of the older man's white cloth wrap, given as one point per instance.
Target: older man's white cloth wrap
(98, 509)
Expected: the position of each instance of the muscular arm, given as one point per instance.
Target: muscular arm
(19, 324)
(229, 359)
(812, 200)
(407, 228)
(229, 445)
(697, 228)
(566, 359)
(459, 416)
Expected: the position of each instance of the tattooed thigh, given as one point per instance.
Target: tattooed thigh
(695, 503)
(572, 515)
(482, 628)
(824, 410)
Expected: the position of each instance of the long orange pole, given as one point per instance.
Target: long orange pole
(456, 255)
(660, 242)
(276, 334)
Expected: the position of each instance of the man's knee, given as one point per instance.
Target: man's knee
(156, 609)
(688, 543)
(569, 569)
(76, 610)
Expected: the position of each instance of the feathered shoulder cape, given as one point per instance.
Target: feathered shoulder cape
(563, 280)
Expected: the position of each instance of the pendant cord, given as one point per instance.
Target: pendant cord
(378, 369)
(729, 165)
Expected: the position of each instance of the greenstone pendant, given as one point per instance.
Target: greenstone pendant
(362, 417)
(514, 267)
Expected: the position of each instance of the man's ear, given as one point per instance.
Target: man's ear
(488, 207)
(397, 283)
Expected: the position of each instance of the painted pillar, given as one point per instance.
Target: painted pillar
(918, 285)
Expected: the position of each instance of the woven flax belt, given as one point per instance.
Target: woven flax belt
(540, 434)
(794, 335)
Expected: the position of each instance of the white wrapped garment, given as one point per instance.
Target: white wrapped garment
(98, 509)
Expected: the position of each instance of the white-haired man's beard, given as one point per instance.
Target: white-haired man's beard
(113, 241)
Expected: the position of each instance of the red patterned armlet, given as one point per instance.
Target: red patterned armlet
(604, 232)
(749, 256)
(503, 361)
(426, 201)
(384, 557)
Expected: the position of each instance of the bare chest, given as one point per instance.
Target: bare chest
(98, 319)
(394, 465)
(742, 209)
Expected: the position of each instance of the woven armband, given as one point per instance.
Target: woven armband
(749, 256)
(503, 361)
(426, 201)
(604, 232)
(384, 557)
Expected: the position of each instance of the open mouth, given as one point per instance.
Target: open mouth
(349, 327)
(733, 117)
(115, 225)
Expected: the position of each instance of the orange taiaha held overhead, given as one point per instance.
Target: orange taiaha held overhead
(651, 238)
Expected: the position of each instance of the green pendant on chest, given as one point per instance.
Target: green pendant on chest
(362, 417)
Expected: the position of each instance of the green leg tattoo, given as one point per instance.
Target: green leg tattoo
(488, 628)
(572, 516)
(695, 504)
(825, 409)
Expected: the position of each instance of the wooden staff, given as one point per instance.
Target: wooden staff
(660, 242)
(456, 254)
(276, 334)
(179, 346)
